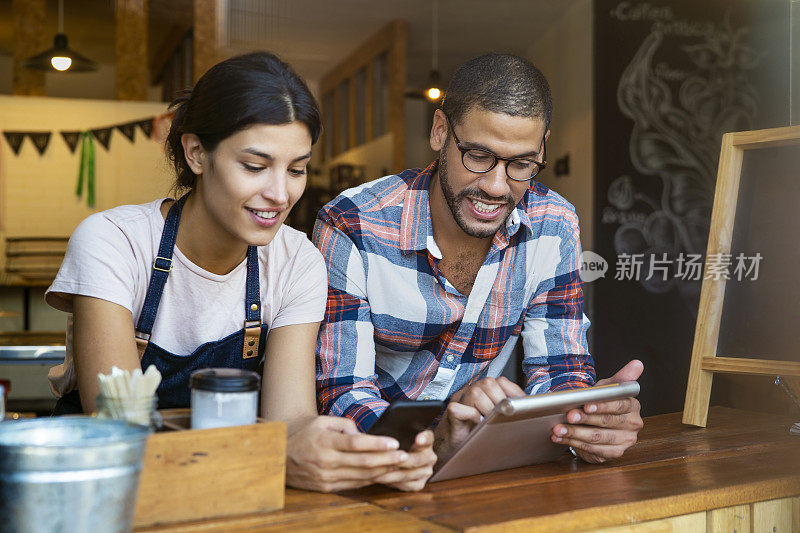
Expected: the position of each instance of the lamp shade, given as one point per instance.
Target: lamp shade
(60, 58)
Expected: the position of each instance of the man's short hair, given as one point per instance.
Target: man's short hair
(500, 83)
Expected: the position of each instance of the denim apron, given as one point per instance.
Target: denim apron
(243, 349)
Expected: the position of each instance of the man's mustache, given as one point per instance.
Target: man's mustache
(481, 195)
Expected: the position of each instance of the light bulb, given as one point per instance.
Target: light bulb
(61, 63)
(433, 93)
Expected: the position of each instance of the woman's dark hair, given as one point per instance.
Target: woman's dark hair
(255, 88)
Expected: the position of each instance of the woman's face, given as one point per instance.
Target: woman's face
(254, 177)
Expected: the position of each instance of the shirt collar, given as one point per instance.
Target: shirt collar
(415, 223)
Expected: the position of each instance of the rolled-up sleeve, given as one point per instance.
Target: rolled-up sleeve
(556, 354)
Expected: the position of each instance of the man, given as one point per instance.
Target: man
(434, 274)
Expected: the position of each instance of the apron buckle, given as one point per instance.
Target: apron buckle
(166, 268)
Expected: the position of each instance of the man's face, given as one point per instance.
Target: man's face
(480, 203)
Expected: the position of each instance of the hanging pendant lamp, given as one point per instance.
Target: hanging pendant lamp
(433, 92)
(60, 57)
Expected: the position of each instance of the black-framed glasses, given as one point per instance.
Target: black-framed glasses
(482, 161)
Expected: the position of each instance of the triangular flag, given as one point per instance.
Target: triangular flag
(40, 139)
(146, 126)
(103, 135)
(71, 138)
(14, 139)
(128, 130)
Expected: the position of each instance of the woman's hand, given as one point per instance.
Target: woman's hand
(416, 469)
(329, 454)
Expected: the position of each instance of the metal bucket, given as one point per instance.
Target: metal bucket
(69, 474)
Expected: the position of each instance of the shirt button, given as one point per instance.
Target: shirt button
(450, 358)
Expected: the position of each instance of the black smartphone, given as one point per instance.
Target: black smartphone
(403, 419)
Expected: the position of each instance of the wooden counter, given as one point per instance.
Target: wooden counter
(742, 472)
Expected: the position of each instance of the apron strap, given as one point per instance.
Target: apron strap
(252, 310)
(162, 265)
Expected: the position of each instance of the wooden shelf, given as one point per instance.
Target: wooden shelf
(737, 365)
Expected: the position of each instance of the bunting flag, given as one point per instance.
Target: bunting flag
(103, 135)
(71, 138)
(86, 169)
(146, 126)
(128, 130)
(14, 139)
(40, 140)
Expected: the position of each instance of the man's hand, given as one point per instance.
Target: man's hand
(467, 408)
(604, 430)
(330, 454)
(414, 472)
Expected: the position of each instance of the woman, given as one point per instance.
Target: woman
(215, 278)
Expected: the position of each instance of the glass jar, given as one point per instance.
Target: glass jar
(223, 397)
(139, 410)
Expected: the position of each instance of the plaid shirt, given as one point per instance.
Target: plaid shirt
(395, 328)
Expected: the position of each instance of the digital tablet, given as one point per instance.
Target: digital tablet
(517, 432)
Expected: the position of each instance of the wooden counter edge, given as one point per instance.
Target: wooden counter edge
(645, 510)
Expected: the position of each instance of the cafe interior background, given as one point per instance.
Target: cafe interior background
(643, 92)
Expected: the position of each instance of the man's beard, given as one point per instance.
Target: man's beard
(455, 200)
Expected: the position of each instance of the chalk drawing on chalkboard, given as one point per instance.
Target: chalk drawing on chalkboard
(678, 121)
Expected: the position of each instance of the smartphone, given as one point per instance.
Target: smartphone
(403, 419)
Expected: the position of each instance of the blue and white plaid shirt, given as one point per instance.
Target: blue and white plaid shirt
(395, 328)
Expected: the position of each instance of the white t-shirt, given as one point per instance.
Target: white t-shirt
(110, 256)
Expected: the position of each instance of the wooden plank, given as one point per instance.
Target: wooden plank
(173, 38)
(206, 48)
(29, 18)
(32, 338)
(351, 113)
(633, 495)
(336, 134)
(712, 294)
(396, 110)
(199, 474)
(296, 502)
(373, 47)
(664, 440)
(729, 519)
(796, 514)
(325, 133)
(769, 138)
(310, 511)
(674, 470)
(369, 95)
(690, 523)
(774, 516)
(391, 39)
(737, 365)
(130, 37)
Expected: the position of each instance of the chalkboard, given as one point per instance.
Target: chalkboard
(671, 77)
(761, 308)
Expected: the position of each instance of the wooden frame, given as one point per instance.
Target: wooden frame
(391, 41)
(705, 360)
